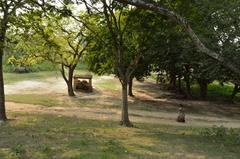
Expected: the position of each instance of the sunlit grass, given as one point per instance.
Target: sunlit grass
(60, 101)
(109, 85)
(10, 78)
(50, 136)
(35, 99)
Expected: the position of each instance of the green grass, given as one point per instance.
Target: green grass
(49, 136)
(63, 101)
(109, 85)
(46, 100)
(34, 99)
(10, 78)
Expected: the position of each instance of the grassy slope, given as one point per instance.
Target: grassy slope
(44, 137)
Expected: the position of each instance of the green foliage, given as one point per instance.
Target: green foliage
(133, 37)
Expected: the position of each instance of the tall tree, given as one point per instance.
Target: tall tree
(124, 67)
(119, 53)
(8, 10)
(55, 38)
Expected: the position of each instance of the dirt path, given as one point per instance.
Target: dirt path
(137, 116)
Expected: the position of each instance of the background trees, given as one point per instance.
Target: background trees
(179, 19)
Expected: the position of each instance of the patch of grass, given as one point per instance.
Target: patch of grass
(11, 78)
(35, 99)
(222, 134)
(62, 101)
(49, 136)
(109, 85)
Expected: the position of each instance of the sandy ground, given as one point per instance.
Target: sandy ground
(57, 86)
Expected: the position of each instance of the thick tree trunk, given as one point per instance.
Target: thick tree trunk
(130, 85)
(125, 118)
(70, 89)
(203, 84)
(172, 83)
(3, 116)
(234, 92)
(151, 5)
(70, 82)
(3, 30)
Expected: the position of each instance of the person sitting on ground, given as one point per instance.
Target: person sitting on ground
(181, 114)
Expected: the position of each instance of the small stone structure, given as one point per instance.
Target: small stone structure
(81, 83)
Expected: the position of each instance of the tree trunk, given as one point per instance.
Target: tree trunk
(130, 93)
(70, 82)
(172, 84)
(154, 6)
(203, 84)
(234, 92)
(70, 89)
(3, 116)
(125, 118)
(180, 85)
(187, 81)
(188, 86)
(3, 30)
